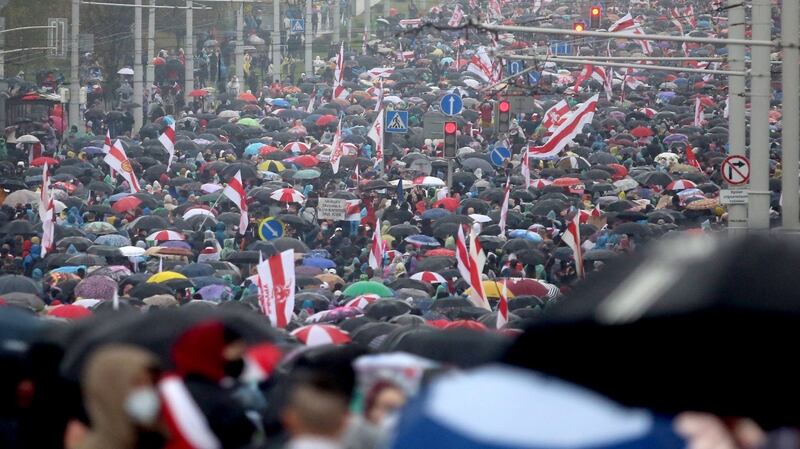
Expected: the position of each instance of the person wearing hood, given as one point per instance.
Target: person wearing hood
(121, 400)
(208, 357)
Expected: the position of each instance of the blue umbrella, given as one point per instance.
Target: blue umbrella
(319, 262)
(280, 102)
(435, 214)
(203, 281)
(253, 149)
(422, 240)
(115, 240)
(118, 196)
(69, 269)
(194, 270)
(91, 151)
(525, 234)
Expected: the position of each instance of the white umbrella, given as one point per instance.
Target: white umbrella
(480, 218)
(131, 251)
(27, 138)
(125, 71)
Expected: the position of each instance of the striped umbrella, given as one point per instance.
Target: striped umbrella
(681, 184)
(288, 195)
(429, 277)
(540, 183)
(321, 334)
(162, 236)
(296, 147)
(362, 301)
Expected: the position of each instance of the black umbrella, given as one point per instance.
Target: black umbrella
(22, 227)
(103, 250)
(529, 256)
(518, 244)
(87, 259)
(80, 243)
(99, 186)
(435, 263)
(411, 283)
(632, 229)
(12, 283)
(401, 231)
(286, 243)
(386, 308)
(150, 222)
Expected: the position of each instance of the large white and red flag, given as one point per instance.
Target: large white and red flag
(477, 259)
(311, 100)
(698, 111)
(502, 308)
(376, 249)
(339, 91)
(468, 268)
(504, 207)
(118, 161)
(235, 192)
(379, 93)
(276, 285)
(47, 213)
(482, 65)
(106, 149)
(455, 19)
(628, 23)
(526, 168)
(187, 424)
(337, 151)
(167, 138)
(572, 238)
(376, 134)
(554, 115)
(567, 130)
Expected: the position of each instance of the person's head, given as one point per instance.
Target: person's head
(315, 411)
(383, 400)
(210, 350)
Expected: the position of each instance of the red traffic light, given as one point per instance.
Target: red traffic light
(578, 26)
(450, 127)
(595, 11)
(503, 106)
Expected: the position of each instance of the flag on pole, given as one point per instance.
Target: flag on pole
(379, 101)
(339, 92)
(455, 19)
(118, 161)
(691, 159)
(376, 249)
(376, 134)
(502, 308)
(572, 238)
(526, 168)
(235, 192)
(554, 115)
(336, 148)
(567, 130)
(504, 207)
(311, 100)
(276, 284)
(698, 111)
(106, 149)
(470, 268)
(187, 424)
(47, 213)
(167, 138)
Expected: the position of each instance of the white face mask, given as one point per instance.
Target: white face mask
(143, 405)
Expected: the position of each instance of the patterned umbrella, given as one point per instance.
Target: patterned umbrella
(321, 334)
(335, 315)
(296, 147)
(115, 240)
(288, 195)
(430, 277)
(360, 302)
(96, 287)
(160, 236)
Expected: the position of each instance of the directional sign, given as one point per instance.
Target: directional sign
(534, 77)
(270, 229)
(396, 122)
(514, 67)
(561, 48)
(297, 25)
(735, 170)
(499, 156)
(451, 104)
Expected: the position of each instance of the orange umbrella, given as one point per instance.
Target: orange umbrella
(247, 96)
(566, 182)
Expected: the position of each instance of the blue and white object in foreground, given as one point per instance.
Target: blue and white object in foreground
(502, 407)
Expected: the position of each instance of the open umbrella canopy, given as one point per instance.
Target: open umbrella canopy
(365, 288)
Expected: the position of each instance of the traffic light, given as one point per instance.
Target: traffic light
(579, 26)
(450, 141)
(503, 116)
(594, 16)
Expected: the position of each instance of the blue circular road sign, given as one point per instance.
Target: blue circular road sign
(451, 104)
(499, 155)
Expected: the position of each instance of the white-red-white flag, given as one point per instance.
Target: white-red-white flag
(47, 213)
(377, 249)
(585, 215)
(482, 65)
(311, 100)
(455, 19)
(119, 162)
(276, 284)
(379, 98)
(477, 260)
(106, 149)
(698, 111)
(235, 192)
(468, 268)
(567, 130)
(628, 23)
(526, 167)
(337, 151)
(167, 138)
(376, 134)
(572, 238)
(502, 308)
(188, 426)
(339, 91)
(553, 115)
(504, 207)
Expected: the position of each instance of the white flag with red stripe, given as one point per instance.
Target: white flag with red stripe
(276, 285)
(526, 167)
(553, 115)
(47, 213)
(339, 92)
(188, 426)
(628, 23)
(481, 64)
(311, 100)
(118, 161)
(502, 308)
(567, 130)
(167, 138)
(468, 268)
(698, 111)
(337, 151)
(572, 238)
(379, 97)
(106, 149)
(477, 260)
(376, 134)
(585, 215)
(504, 207)
(455, 19)
(376, 249)
(235, 192)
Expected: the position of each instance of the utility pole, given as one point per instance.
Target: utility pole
(737, 126)
(189, 55)
(138, 93)
(74, 63)
(309, 40)
(151, 43)
(2, 47)
(276, 40)
(790, 38)
(337, 22)
(240, 46)
(759, 196)
(367, 19)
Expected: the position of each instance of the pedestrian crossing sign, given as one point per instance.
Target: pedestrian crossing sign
(396, 122)
(298, 25)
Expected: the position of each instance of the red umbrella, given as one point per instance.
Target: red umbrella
(620, 171)
(449, 203)
(681, 184)
(247, 96)
(441, 252)
(296, 147)
(321, 334)
(305, 160)
(641, 131)
(69, 188)
(567, 182)
(198, 93)
(69, 312)
(526, 287)
(39, 161)
(288, 195)
(266, 149)
(326, 120)
(163, 236)
(126, 204)
(466, 324)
